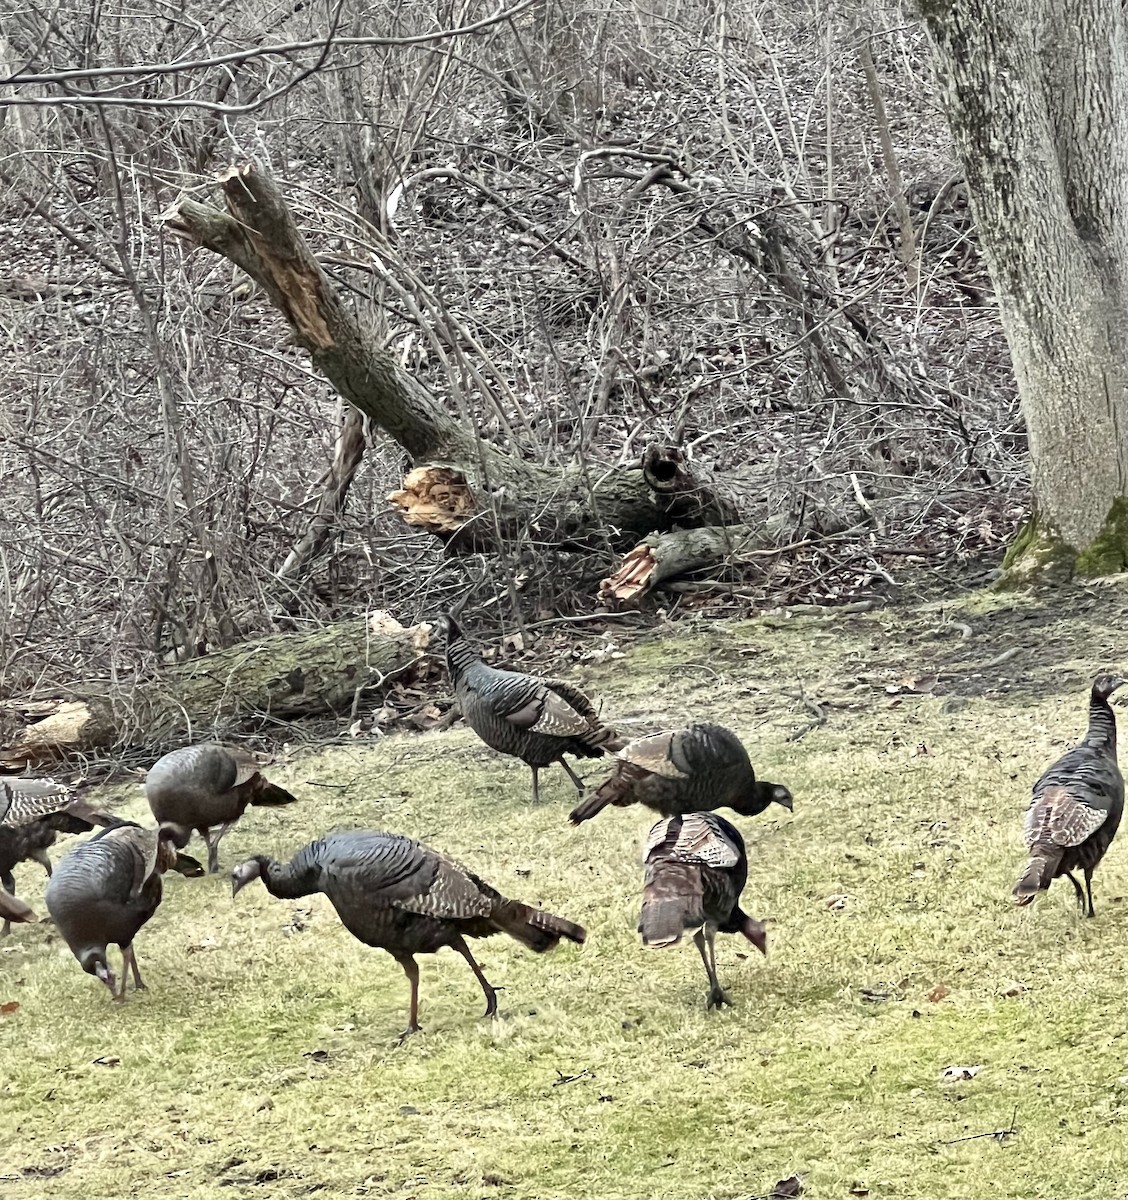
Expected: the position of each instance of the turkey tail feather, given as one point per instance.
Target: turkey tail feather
(270, 795)
(1038, 874)
(611, 791)
(672, 902)
(535, 928)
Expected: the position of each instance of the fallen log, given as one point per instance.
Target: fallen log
(465, 491)
(279, 678)
(663, 556)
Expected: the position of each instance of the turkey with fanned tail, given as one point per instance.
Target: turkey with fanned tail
(399, 895)
(696, 868)
(536, 720)
(699, 768)
(1076, 806)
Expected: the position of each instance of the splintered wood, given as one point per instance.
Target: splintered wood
(437, 499)
(632, 578)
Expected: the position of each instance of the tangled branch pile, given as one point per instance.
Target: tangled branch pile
(586, 232)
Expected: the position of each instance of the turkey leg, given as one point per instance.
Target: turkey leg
(212, 840)
(411, 970)
(490, 992)
(705, 944)
(8, 882)
(575, 778)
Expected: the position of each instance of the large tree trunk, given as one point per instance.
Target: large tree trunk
(461, 488)
(279, 678)
(1035, 95)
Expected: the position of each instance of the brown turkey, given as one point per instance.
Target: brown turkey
(394, 893)
(536, 720)
(699, 768)
(207, 788)
(104, 891)
(1076, 806)
(696, 868)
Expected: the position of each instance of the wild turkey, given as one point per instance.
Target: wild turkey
(34, 811)
(536, 720)
(394, 893)
(105, 889)
(1076, 806)
(701, 767)
(30, 842)
(206, 788)
(696, 868)
(25, 800)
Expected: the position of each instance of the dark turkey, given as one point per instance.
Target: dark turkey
(701, 767)
(206, 788)
(24, 800)
(536, 720)
(30, 842)
(696, 868)
(1076, 806)
(394, 893)
(105, 889)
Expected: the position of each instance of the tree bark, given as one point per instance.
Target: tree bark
(283, 677)
(461, 489)
(1034, 94)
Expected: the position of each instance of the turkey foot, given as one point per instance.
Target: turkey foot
(717, 998)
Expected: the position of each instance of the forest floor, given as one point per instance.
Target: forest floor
(263, 1061)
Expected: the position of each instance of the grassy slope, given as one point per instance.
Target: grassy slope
(263, 1059)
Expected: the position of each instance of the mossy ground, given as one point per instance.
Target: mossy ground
(263, 1059)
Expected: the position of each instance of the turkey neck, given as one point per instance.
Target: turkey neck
(280, 881)
(1101, 733)
(461, 659)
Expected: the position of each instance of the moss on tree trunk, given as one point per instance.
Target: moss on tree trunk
(1040, 554)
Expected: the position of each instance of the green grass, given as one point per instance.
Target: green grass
(263, 1059)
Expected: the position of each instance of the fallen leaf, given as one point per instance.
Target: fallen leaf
(957, 1074)
(921, 751)
(1015, 988)
(874, 995)
(939, 992)
(10, 1007)
(787, 1188)
(919, 684)
(837, 902)
(318, 1056)
(107, 1060)
(859, 1190)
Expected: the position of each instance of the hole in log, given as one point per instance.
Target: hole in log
(664, 469)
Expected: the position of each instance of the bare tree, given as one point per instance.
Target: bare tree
(1035, 95)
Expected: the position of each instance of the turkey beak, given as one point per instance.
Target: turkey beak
(783, 796)
(104, 973)
(241, 876)
(187, 866)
